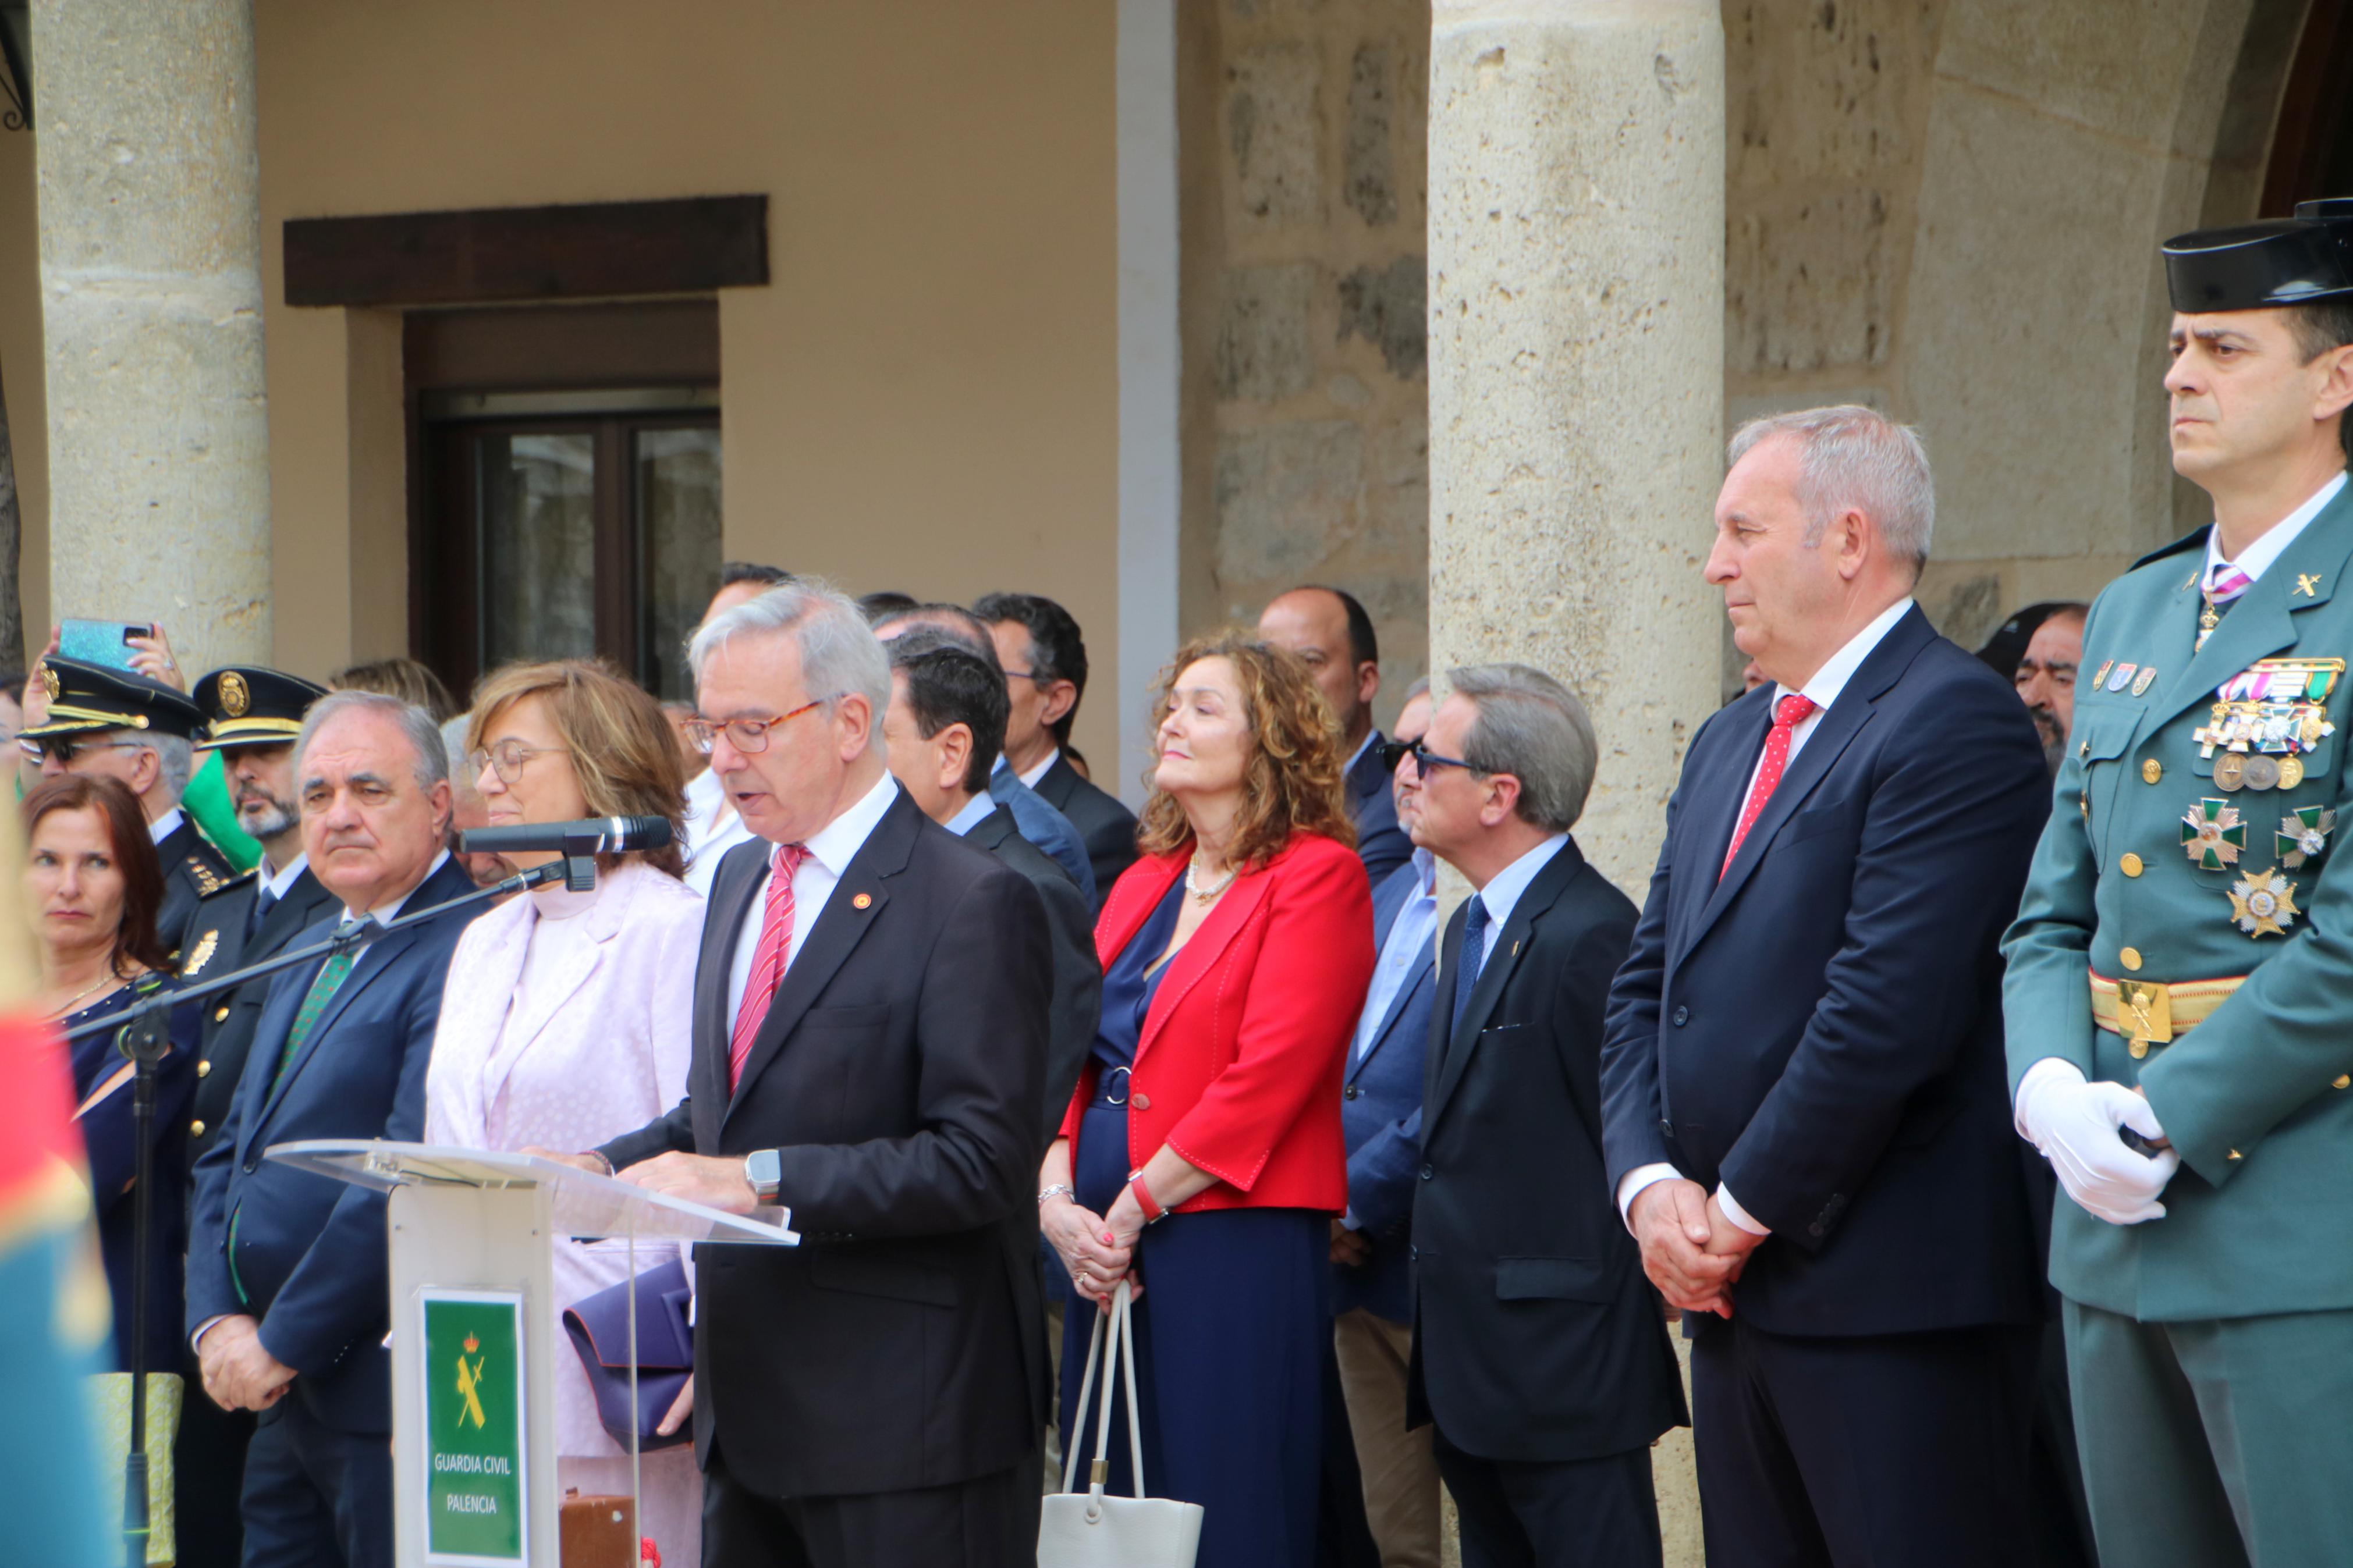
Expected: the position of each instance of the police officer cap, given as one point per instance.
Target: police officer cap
(247, 705)
(2298, 260)
(86, 698)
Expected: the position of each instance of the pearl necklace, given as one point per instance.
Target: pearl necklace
(1201, 895)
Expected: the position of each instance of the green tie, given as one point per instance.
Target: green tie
(323, 991)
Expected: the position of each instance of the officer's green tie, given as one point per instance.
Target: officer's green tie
(323, 991)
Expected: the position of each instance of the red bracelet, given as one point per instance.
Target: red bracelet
(1152, 1211)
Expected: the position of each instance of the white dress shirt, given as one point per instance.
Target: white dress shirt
(276, 885)
(1822, 687)
(1031, 775)
(1410, 934)
(712, 829)
(385, 914)
(165, 825)
(2254, 561)
(2257, 557)
(830, 849)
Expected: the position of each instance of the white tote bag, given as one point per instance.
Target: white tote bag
(1088, 1530)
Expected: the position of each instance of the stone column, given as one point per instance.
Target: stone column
(1576, 371)
(1577, 396)
(150, 296)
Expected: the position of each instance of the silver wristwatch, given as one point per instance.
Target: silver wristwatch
(764, 1170)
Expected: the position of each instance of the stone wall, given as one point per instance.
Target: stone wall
(1304, 381)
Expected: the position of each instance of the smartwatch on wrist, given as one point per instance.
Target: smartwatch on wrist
(764, 1170)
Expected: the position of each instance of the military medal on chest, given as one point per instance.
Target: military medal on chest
(2262, 903)
(2213, 835)
(2303, 833)
(2266, 719)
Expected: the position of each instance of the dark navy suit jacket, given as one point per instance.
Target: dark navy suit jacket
(1380, 1116)
(311, 1249)
(1045, 826)
(1381, 844)
(1820, 1030)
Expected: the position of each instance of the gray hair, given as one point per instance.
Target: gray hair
(423, 735)
(176, 758)
(840, 656)
(1852, 458)
(1532, 727)
(1420, 688)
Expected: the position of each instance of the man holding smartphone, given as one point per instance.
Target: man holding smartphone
(140, 732)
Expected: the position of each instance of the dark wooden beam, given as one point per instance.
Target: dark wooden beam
(685, 247)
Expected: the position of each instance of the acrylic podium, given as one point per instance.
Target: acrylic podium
(474, 1335)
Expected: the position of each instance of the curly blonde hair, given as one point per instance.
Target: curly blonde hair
(1292, 782)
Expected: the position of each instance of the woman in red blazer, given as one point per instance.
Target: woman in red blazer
(1202, 1150)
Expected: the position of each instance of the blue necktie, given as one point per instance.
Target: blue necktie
(1467, 964)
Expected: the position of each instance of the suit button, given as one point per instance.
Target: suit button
(2130, 863)
(197, 1128)
(1428, 1172)
(251, 1166)
(1682, 1016)
(1413, 1255)
(1349, 1092)
(220, 1014)
(1815, 1229)
(1142, 1102)
(204, 1070)
(2152, 771)
(2129, 957)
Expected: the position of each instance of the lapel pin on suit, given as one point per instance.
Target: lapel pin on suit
(862, 901)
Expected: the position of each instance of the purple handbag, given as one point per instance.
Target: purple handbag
(665, 1353)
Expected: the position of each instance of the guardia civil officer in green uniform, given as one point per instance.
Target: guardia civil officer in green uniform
(122, 725)
(253, 716)
(2182, 964)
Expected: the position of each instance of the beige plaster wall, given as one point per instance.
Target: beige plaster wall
(924, 399)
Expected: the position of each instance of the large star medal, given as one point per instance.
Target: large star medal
(2262, 903)
(2303, 833)
(2212, 835)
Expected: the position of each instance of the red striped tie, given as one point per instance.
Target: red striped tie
(768, 959)
(1787, 714)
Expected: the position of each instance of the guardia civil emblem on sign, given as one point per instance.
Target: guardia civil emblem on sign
(2303, 833)
(2262, 903)
(2213, 835)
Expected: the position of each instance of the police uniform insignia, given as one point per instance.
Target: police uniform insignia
(2213, 835)
(2262, 903)
(2303, 833)
(2144, 679)
(2275, 710)
(203, 954)
(2102, 677)
(207, 883)
(49, 682)
(2118, 675)
(235, 696)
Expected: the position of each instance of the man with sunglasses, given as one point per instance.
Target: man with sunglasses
(122, 725)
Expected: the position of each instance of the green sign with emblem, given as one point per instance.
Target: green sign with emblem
(477, 1507)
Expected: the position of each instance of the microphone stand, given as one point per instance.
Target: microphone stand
(143, 1037)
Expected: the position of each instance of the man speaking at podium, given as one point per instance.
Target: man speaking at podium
(870, 1045)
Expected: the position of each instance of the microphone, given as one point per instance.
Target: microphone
(592, 835)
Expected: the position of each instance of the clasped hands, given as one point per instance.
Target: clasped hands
(238, 1372)
(1098, 1250)
(1690, 1249)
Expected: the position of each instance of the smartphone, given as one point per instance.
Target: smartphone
(101, 642)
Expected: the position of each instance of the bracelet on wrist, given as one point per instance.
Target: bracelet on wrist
(1059, 1190)
(1153, 1213)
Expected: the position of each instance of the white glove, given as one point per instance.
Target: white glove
(2074, 1124)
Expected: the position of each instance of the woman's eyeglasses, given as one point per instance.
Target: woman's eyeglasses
(509, 758)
